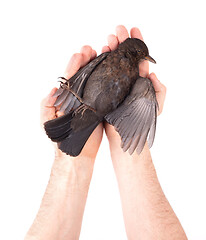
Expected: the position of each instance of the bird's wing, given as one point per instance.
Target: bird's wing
(68, 95)
(135, 118)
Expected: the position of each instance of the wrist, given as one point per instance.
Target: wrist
(124, 160)
(77, 171)
(65, 196)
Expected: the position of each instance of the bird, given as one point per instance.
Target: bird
(109, 88)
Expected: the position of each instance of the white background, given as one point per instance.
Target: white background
(37, 40)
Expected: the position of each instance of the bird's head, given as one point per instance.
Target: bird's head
(137, 48)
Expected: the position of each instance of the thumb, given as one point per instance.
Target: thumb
(47, 107)
(160, 91)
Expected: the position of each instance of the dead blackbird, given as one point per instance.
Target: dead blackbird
(108, 88)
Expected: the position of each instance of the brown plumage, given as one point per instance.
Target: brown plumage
(108, 88)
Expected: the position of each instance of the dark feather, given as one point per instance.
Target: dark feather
(72, 130)
(59, 128)
(74, 143)
(76, 85)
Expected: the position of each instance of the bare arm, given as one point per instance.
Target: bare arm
(61, 211)
(147, 212)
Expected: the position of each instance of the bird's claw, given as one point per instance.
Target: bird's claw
(83, 108)
(63, 82)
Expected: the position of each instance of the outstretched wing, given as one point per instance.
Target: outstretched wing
(135, 118)
(69, 91)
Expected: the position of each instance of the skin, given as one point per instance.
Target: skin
(147, 213)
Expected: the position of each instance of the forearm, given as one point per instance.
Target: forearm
(61, 211)
(147, 213)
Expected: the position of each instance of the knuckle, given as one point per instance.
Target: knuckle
(86, 48)
(77, 58)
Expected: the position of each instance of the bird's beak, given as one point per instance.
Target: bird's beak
(150, 59)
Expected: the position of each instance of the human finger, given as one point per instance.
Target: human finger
(79, 60)
(106, 49)
(122, 33)
(86, 51)
(144, 68)
(160, 91)
(47, 107)
(94, 54)
(50, 100)
(112, 42)
(135, 33)
(59, 113)
(74, 65)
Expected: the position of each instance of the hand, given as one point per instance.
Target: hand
(147, 213)
(160, 89)
(66, 193)
(49, 112)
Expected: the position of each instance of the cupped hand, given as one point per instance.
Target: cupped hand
(49, 112)
(160, 89)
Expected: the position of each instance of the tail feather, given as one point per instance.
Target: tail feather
(58, 129)
(72, 130)
(75, 142)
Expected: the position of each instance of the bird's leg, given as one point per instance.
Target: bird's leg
(78, 97)
(82, 108)
(64, 84)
